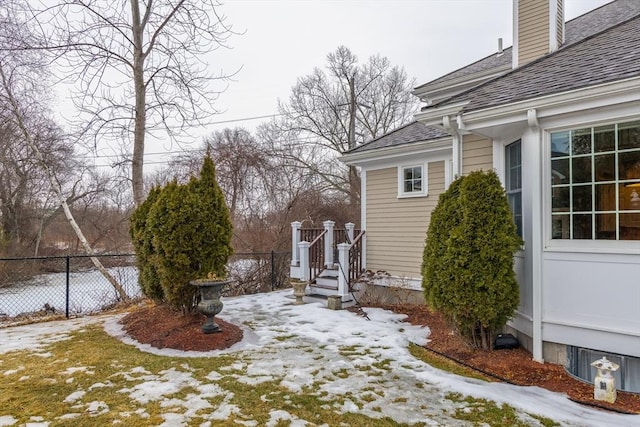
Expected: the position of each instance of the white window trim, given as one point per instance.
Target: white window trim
(577, 245)
(425, 181)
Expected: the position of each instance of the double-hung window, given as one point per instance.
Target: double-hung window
(513, 181)
(595, 182)
(412, 180)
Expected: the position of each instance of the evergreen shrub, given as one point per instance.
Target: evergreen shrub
(467, 265)
(187, 235)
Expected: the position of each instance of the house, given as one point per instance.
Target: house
(558, 117)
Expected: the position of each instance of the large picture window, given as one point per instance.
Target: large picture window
(595, 182)
(513, 181)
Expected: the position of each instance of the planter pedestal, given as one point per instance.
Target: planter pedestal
(210, 303)
(299, 291)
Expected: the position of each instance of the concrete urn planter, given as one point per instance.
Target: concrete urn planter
(299, 291)
(210, 303)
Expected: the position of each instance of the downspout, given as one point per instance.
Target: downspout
(456, 144)
(534, 151)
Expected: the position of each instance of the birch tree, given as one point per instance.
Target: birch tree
(138, 68)
(22, 77)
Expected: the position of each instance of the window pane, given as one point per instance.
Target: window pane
(582, 198)
(581, 169)
(581, 141)
(560, 171)
(408, 187)
(417, 173)
(606, 226)
(629, 135)
(629, 165)
(417, 185)
(408, 174)
(605, 167)
(560, 144)
(630, 226)
(582, 227)
(560, 199)
(560, 227)
(629, 197)
(515, 200)
(605, 197)
(604, 138)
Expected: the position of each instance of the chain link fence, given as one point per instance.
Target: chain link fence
(66, 286)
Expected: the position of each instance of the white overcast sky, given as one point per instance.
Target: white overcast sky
(286, 39)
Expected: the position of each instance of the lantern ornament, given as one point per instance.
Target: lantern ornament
(604, 382)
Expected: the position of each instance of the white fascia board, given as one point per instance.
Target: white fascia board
(432, 116)
(620, 91)
(433, 147)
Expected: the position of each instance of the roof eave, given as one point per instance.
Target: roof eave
(553, 104)
(432, 116)
(385, 153)
(459, 84)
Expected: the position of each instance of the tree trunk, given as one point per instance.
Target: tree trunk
(58, 190)
(137, 159)
(354, 179)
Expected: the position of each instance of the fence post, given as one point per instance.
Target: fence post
(295, 239)
(328, 243)
(350, 227)
(343, 274)
(273, 271)
(304, 261)
(66, 310)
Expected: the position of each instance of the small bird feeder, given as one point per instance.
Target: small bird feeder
(604, 382)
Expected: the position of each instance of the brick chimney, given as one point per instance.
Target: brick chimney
(538, 29)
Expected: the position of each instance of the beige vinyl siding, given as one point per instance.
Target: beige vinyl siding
(560, 23)
(477, 153)
(533, 30)
(397, 227)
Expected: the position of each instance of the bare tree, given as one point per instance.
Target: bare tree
(22, 87)
(138, 67)
(330, 112)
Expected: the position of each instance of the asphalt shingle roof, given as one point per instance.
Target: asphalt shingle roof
(412, 132)
(577, 29)
(601, 46)
(611, 55)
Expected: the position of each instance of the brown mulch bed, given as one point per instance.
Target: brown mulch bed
(161, 327)
(516, 366)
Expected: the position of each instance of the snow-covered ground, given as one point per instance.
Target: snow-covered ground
(319, 342)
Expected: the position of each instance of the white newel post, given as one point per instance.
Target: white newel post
(328, 243)
(304, 260)
(295, 239)
(343, 273)
(350, 227)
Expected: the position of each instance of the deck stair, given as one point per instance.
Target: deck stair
(329, 260)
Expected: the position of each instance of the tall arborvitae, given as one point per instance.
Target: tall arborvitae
(142, 239)
(191, 233)
(468, 258)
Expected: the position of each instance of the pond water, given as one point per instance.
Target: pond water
(89, 292)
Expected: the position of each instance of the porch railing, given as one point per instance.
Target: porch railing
(314, 250)
(355, 258)
(316, 256)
